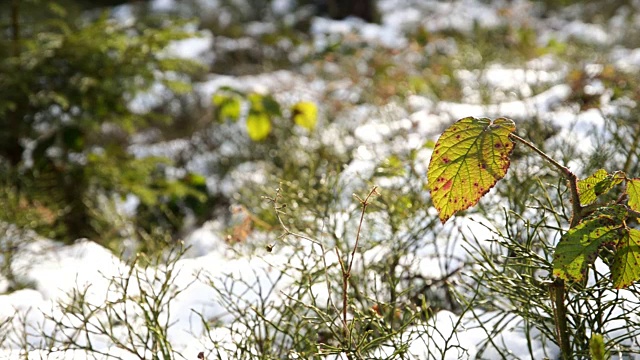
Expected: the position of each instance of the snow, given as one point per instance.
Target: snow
(194, 48)
(461, 16)
(588, 33)
(537, 105)
(386, 35)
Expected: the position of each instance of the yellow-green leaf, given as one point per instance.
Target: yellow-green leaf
(178, 87)
(228, 107)
(305, 114)
(256, 102)
(625, 269)
(579, 246)
(597, 348)
(599, 183)
(264, 104)
(633, 191)
(258, 125)
(467, 161)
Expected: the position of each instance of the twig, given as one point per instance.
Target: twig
(346, 272)
(364, 203)
(568, 174)
(278, 210)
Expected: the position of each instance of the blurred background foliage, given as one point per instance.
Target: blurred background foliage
(66, 82)
(68, 75)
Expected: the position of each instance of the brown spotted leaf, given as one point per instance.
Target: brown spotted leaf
(467, 161)
(599, 183)
(625, 269)
(633, 191)
(579, 246)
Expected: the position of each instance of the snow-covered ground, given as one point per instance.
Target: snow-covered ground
(56, 272)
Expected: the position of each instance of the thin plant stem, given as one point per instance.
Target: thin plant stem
(346, 271)
(558, 288)
(278, 210)
(632, 150)
(568, 174)
(364, 203)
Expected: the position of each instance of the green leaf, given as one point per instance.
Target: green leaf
(147, 196)
(468, 159)
(616, 212)
(258, 125)
(271, 106)
(597, 348)
(633, 191)
(390, 167)
(228, 107)
(195, 179)
(178, 87)
(579, 246)
(599, 183)
(305, 114)
(265, 104)
(625, 269)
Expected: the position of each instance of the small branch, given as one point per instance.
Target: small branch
(346, 272)
(564, 170)
(345, 286)
(278, 210)
(568, 174)
(633, 213)
(557, 291)
(364, 203)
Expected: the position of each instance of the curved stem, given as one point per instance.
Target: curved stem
(568, 174)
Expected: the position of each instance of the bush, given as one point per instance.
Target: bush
(66, 88)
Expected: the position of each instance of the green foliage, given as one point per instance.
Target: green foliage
(597, 349)
(625, 269)
(595, 230)
(227, 106)
(633, 191)
(473, 154)
(66, 90)
(598, 184)
(263, 111)
(163, 201)
(579, 246)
